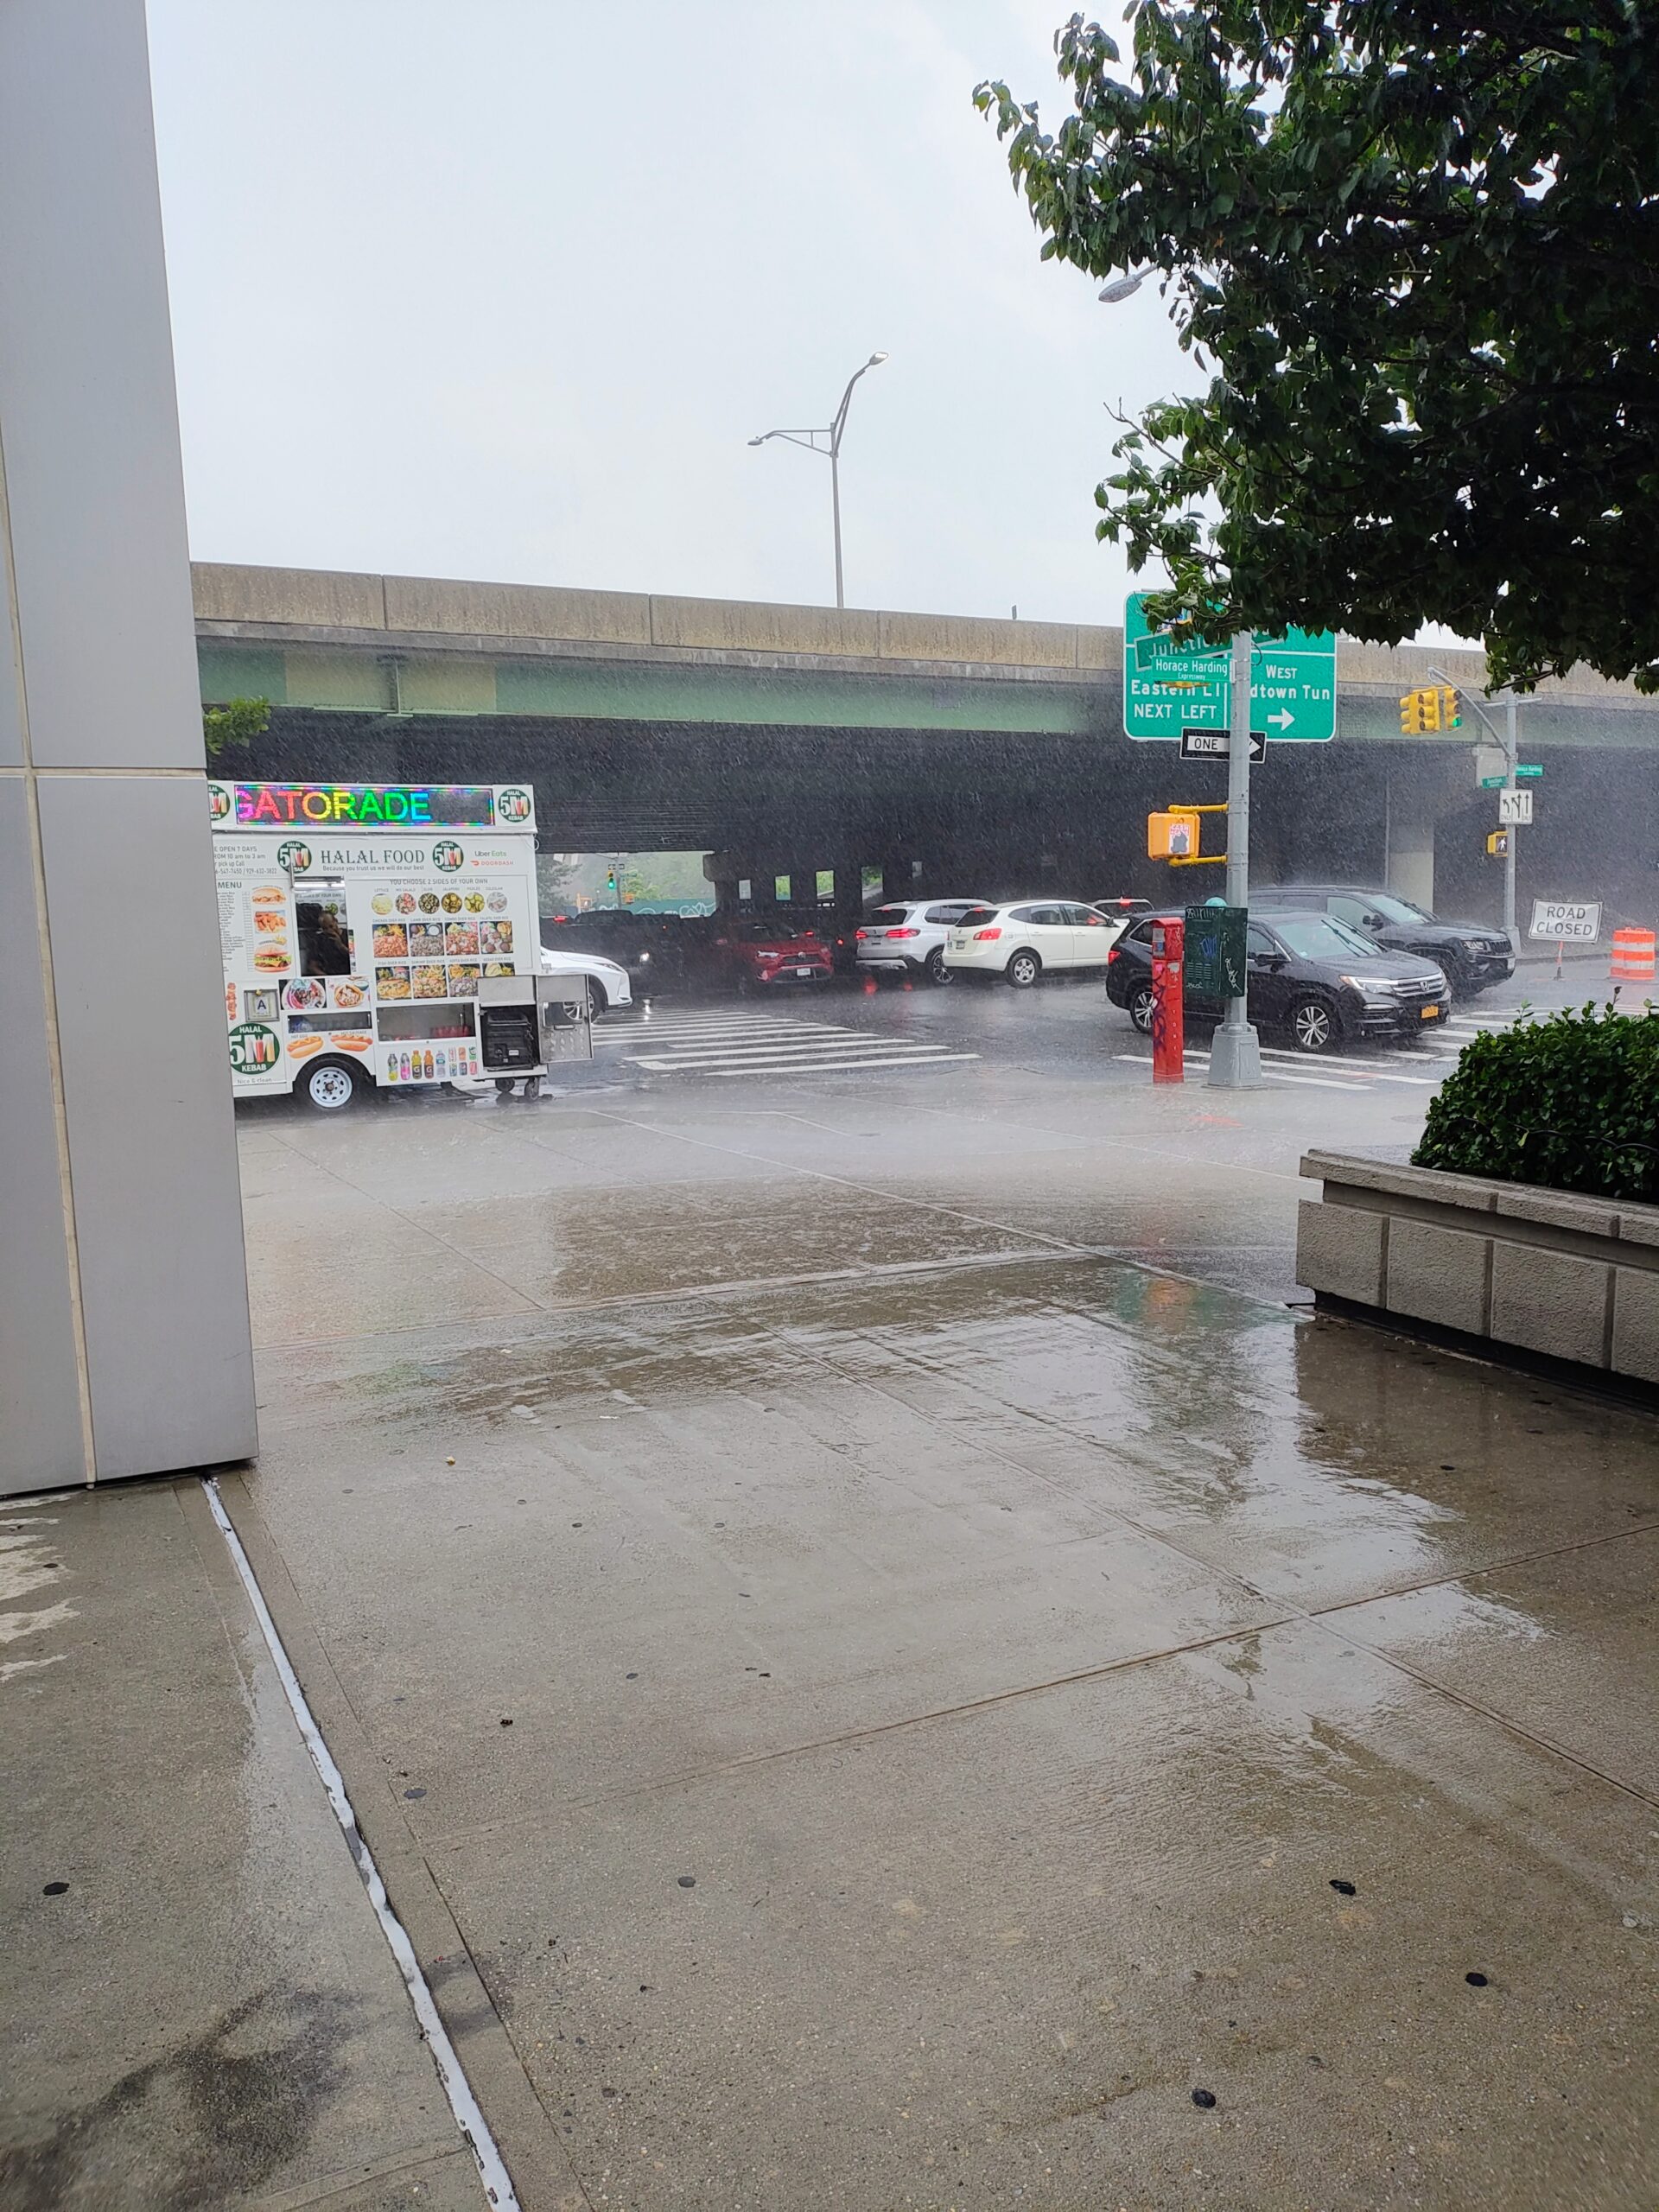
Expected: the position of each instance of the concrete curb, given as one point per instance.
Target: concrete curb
(1525, 1271)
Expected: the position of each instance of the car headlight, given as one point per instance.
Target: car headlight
(1477, 945)
(643, 958)
(1371, 986)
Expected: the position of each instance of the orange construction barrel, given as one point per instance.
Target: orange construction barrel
(1633, 957)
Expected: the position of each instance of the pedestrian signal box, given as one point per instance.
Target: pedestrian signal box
(1432, 706)
(1498, 843)
(1174, 836)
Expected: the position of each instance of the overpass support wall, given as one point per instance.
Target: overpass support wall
(123, 1318)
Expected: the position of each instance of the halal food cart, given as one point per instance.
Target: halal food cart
(362, 923)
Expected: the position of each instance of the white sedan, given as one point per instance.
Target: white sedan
(1032, 937)
(609, 984)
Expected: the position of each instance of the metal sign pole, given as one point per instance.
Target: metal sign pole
(1510, 748)
(1236, 1051)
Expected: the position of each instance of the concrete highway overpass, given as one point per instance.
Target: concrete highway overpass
(985, 753)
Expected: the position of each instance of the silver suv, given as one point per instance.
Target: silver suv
(907, 938)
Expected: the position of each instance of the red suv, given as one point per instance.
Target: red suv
(752, 952)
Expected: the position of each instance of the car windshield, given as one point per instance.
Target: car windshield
(771, 932)
(1319, 936)
(1392, 909)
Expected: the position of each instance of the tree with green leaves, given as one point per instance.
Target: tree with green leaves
(236, 722)
(1414, 244)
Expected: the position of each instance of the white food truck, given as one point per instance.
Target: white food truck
(359, 921)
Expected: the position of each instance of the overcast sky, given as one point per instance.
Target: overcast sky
(499, 289)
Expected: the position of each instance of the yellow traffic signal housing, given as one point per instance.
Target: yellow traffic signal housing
(1498, 843)
(1175, 836)
(1172, 837)
(1432, 706)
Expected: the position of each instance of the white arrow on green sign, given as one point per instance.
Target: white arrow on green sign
(1168, 688)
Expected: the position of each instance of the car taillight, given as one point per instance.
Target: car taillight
(860, 932)
(984, 936)
(1111, 956)
(904, 932)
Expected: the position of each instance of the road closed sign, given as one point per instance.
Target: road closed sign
(1566, 919)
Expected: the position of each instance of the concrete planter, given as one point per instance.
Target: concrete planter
(1506, 1267)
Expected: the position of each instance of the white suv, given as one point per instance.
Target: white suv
(1031, 937)
(908, 937)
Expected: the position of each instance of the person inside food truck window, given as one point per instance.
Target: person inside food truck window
(323, 942)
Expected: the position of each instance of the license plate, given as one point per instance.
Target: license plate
(803, 971)
(1429, 1013)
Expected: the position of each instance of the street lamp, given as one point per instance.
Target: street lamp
(835, 432)
(1235, 1050)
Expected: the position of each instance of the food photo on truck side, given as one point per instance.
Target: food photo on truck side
(357, 922)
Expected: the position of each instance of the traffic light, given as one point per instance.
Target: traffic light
(1171, 836)
(610, 880)
(1432, 706)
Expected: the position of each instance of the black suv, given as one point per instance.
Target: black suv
(1470, 955)
(1308, 975)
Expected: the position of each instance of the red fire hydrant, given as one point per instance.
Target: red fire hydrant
(1168, 1009)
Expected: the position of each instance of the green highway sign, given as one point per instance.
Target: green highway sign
(1294, 686)
(1169, 688)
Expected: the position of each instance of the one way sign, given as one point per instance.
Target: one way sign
(1214, 744)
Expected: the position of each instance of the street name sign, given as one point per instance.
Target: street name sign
(1493, 783)
(1170, 689)
(1525, 770)
(1514, 807)
(1216, 744)
(1569, 919)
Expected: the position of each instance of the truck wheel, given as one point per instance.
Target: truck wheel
(330, 1085)
(1023, 971)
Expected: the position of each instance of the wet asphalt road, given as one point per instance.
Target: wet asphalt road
(878, 1655)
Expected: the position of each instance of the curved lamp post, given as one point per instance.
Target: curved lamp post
(833, 433)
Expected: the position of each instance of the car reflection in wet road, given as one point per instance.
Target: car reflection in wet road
(983, 1666)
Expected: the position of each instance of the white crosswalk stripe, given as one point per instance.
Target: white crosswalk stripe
(719, 1042)
(1362, 1069)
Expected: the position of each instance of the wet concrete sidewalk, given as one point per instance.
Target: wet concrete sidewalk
(201, 2010)
(866, 1698)
(891, 1739)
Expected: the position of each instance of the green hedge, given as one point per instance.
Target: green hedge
(1571, 1102)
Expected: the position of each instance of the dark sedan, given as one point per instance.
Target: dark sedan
(1470, 955)
(1309, 975)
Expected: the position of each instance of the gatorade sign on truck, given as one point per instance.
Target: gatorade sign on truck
(356, 921)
